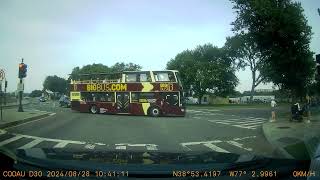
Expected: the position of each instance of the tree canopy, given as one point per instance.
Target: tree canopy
(35, 93)
(282, 34)
(55, 84)
(101, 68)
(205, 69)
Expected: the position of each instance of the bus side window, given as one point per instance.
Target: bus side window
(134, 97)
(144, 77)
(131, 77)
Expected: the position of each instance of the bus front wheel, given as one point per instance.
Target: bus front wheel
(154, 111)
(94, 109)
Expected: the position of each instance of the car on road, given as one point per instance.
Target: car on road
(64, 101)
(42, 99)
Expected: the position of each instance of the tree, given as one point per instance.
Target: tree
(205, 69)
(35, 93)
(55, 84)
(119, 67)
(280, 30)
(100, 68)
(244, 49)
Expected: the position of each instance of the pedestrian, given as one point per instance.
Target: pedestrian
(273, 110)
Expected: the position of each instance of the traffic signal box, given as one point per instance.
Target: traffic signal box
(22, 70)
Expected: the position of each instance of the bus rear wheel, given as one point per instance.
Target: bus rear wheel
(94, 109)
(154, 111)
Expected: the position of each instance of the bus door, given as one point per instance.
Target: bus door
(122, 102)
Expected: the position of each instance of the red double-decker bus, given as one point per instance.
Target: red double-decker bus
(153, 93)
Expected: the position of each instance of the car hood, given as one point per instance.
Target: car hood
(132, 157)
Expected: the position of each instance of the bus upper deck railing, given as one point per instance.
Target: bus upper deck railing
(95, 81)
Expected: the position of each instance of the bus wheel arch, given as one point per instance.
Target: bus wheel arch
(154, 111)
(94, 109)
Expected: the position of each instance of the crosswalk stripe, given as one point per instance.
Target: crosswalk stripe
(121, 147)
(61, 144)
(222, 123)
(240, 126)
(7, 141)
(215, 148)
(2, 132)
(152, 148)
(253, 126)
(257, 123)
(234, 143)
(31, 144)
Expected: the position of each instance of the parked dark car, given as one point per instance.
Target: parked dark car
(64, 101)
(42, 99)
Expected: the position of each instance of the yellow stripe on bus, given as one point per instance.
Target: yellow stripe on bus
(145, 107)
(147, 87)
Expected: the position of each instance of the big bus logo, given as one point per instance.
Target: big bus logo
(106, 87)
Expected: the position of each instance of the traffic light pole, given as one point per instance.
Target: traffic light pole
(20, 109)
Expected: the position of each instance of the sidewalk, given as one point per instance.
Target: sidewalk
(297, 140)
(10, 117)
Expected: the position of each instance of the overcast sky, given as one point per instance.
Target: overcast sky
(55, 36)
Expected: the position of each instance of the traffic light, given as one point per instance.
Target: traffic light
(5, 84)
(22, 70)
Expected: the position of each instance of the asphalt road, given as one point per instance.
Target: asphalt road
(229, 130)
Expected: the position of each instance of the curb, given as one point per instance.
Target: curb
(14, 123)
(278, 150)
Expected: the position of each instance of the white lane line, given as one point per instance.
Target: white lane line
(152, 148)
(200, 142)
(243, 127)
(100, 144)
(255, 126)
(234, 143)
(258, 118)
(31, 144)
(121, 147)
(226, 123)
(90, 146)
(253, 123)
(2, 131)
(243, 138)
(7, 141)
(61, 144)
(215, 148)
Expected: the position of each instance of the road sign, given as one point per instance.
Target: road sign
(20, 87)
(2, 74)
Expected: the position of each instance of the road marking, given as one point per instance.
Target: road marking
(226, 123)
(200, 142)
(100, 144)
(121, 147)
(248, 137)
(31, 144)
(90, 146)
(7, 141)
(242, 127)
(152, 148)
(2, 131)
(215, 148)
(61, 144)
(245, 123)
(234, 143)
